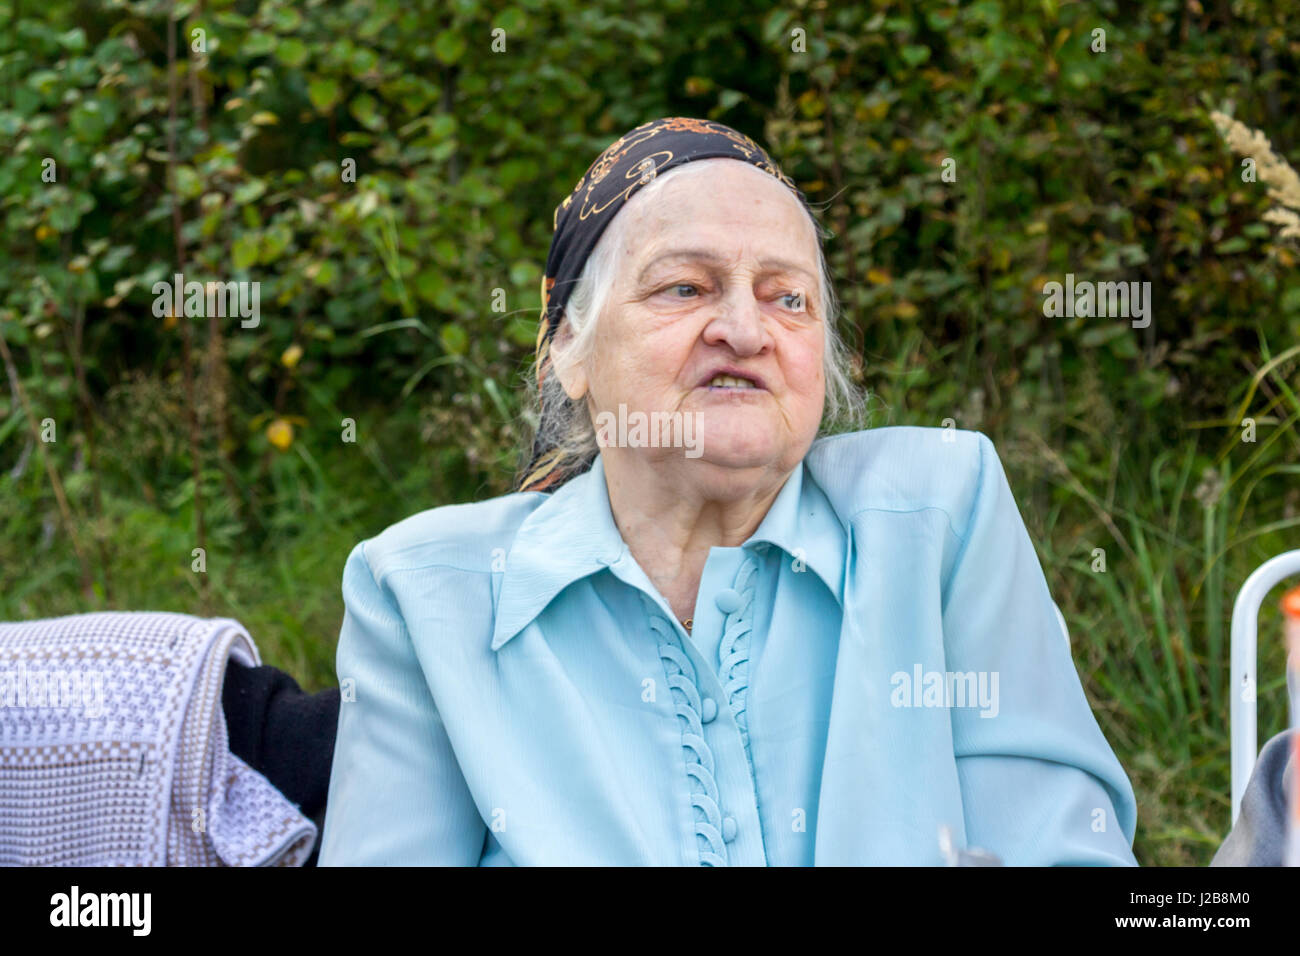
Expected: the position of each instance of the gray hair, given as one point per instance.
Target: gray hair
(565, 424)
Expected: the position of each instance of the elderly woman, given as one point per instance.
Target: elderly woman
(698, 634)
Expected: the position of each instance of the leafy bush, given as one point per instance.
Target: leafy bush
(964, 154)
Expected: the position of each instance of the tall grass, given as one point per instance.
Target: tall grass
(1149, 631)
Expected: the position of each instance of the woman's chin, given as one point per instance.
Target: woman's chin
(739, 451)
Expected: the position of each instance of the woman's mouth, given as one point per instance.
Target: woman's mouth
(730, 381)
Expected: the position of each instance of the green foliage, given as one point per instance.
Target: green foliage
(380, 301)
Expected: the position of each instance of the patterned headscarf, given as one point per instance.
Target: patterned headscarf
(627, 164)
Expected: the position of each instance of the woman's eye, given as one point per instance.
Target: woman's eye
(793, 301)
(681, 290)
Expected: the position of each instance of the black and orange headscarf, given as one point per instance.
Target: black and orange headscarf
(630, 162)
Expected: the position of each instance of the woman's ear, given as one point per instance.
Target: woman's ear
(572, 377)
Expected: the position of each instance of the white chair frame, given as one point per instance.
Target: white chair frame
(1245, 627)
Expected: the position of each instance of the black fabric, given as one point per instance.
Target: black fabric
(283, 733)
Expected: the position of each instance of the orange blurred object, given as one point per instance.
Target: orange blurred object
(1291, 603)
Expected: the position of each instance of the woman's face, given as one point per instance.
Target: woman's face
(713, 315)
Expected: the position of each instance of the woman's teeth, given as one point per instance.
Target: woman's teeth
(728, 381)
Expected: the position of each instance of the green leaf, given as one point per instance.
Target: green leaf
(90, 119)
(64, 218)
(449, 46)
(44, 81)
(512, 20)
(1101, 334)
(291, 52)
(324, 93)
(188, 183)
(446, 252)
(366, 110)
(429, 284)
(1232, 246)
(362, 62)
(243, 251)
(258, 43)
(286, 19)
(522, 332)
(518, 170)
(442, 126)
(729, 98)
(274, 241)
(454, 338)
(476, 191)
(915, 54)
(74, 39)
(325, 274)
(249, 191)
(524, 274)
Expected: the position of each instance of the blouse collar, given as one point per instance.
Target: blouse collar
(572, 534)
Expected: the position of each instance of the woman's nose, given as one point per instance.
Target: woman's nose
(738, 323)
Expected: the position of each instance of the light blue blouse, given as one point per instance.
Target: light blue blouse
(880, 659)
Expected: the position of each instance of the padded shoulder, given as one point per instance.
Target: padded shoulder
(464, 536)
(903, 468)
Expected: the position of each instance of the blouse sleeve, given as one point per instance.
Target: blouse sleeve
(396, 796)
(1040, 784)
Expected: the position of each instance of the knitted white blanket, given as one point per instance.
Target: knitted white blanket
(113, 748)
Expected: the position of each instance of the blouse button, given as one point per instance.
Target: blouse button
(729, 828)
(709, 708)
(727, 600)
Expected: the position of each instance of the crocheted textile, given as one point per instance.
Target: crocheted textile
(113, 748)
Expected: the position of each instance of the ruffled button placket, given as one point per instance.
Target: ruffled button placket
(699, 758)
(734, 650)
